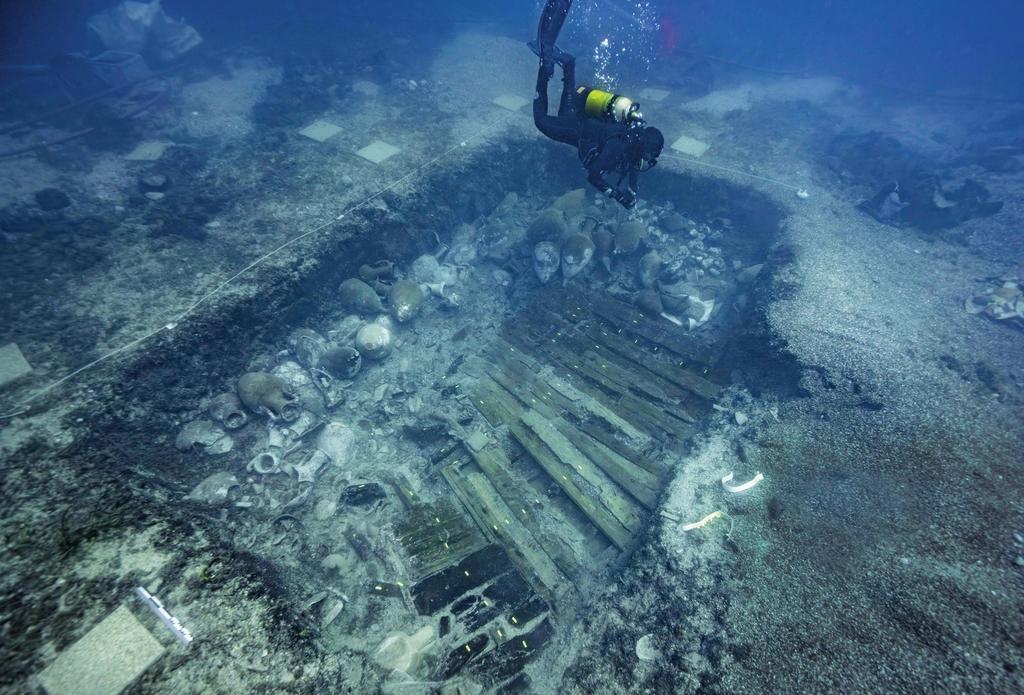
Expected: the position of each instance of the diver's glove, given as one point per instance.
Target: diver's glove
(627, 200)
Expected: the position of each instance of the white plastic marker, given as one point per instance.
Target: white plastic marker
(703, 522)
(744, 486)
(179, 630)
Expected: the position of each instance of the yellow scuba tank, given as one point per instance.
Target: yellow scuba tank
(606, 106)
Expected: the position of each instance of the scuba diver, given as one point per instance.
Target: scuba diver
(607, 129)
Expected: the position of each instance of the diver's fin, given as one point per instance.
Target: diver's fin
(554, 52)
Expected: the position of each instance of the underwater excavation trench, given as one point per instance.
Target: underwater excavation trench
(500, 476)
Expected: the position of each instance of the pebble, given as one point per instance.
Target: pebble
(154, 182)
(155, 195)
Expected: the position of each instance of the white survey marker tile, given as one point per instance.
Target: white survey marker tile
(512, 102)
(148, 151)
(690, 146)
(105, 660)
(13, 364)
(320, 131)
(377, 151)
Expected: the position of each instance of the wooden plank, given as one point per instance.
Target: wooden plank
(660, 332)
(615, 388)
(568, 347)
(594, 511)
(560, 391)
(560, 472)
(490, 398)
(489, 391)
(603, 501)
(642, 384)
(506, 525)
(636, 481)
(586, 380)
(649, 463)
(664, 420)
(628, 372)
(487, 507)
(496, 466)
(436, 536)
(580, 408)
(670, 370)
(648, 375)
(532, 392)
(545, 400)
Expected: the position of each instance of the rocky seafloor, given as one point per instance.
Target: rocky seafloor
(882, 551)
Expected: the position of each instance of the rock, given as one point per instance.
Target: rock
(154, 183)
(366, 88)
(741, 418)
(674, 223)
(155, 196)
(51, 199)
(646, 649)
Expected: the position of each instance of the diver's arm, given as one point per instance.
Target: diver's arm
(596, 178)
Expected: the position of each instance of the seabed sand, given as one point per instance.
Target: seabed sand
(878, 553)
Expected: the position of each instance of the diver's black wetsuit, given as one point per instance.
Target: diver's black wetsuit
(604, 147)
